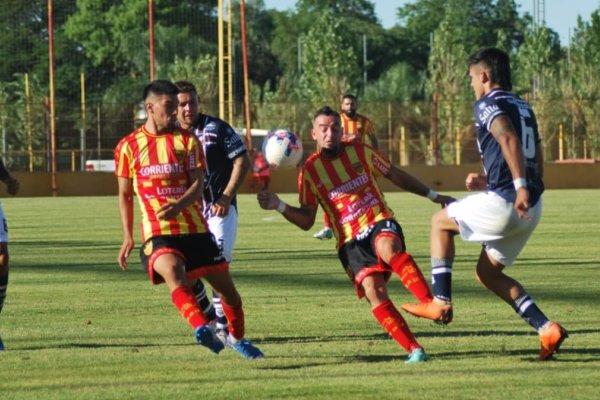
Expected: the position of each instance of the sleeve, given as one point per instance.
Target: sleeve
(230, 141)
(485, 111)
(379, 164)
(305, 190)
(195, 156)
(122, 155)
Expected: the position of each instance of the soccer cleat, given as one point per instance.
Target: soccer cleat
(246, 349)
(207, 338)
(324, 234)
(440, 313)
(551, 337)
(417, 356)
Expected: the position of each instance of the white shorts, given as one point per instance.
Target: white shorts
(3, 227)
(225, 231)
(489, 219)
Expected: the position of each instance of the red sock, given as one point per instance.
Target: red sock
(235, 317)
(411, 276)
(391, 320)
(184, 300)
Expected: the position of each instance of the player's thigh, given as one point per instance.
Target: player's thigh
(506, 249)
(171, 267)
(225, 231)
(481, 217)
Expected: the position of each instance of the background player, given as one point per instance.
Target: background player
(12, 187)
(355, 126)
(505, 215)
(342, 178)
(163, 165)
(227, 164)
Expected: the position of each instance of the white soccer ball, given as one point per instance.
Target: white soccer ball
(282, 149)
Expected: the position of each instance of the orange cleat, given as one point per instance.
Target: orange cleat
(551, 337)
(436, 311)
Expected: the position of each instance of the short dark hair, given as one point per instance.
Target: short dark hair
(498, 63)
(349, 96)
(160, 87)
(327, 111)
(186, 87)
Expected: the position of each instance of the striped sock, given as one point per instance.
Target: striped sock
(220, 315)
(441, 277)
(529, 311)
(203, 302)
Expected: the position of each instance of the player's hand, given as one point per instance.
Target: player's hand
(475, 181)
(444, 200)
(168, 211)
(220, 208)
(12, 186)
(522, 203)
(267, 200)
(125, 251)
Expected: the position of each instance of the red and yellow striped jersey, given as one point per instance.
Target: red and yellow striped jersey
(346, 187)
(158, 166)
(358, 128)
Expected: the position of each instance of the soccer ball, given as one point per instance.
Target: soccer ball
(282, 149)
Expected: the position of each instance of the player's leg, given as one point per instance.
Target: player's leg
(389, 247)
(231, 302)
(389, 317)
(224, 229)
(443, 229)
(490, 272)
(171, 268)
(204, 303)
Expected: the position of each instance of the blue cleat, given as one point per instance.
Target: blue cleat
(246, 349)
(206, 337)
(417, 356)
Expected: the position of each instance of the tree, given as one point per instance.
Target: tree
(328, 63)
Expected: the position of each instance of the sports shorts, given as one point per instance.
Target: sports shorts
(358, 256)
(225, 231)
(489, 219)
(199, 252)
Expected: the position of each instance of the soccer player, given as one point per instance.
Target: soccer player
(227, 164)
(505, 214)
(163, 165)
(355, 126)
(12, 187)
(342, 178)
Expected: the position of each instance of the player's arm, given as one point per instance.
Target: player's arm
(126, 212)
(406, 181)
(505, 134)
(372, 136)
(241, 165)
(191, 195)
(303, 216)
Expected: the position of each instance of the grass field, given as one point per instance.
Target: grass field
(76, 327)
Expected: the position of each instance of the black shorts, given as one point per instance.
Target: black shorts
(358, 256)
(199, 251)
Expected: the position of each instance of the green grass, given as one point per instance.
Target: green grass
(76, 327)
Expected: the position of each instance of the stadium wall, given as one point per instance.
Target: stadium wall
(584, 175)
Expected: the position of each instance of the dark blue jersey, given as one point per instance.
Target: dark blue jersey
(499, 178)
(221, 146)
